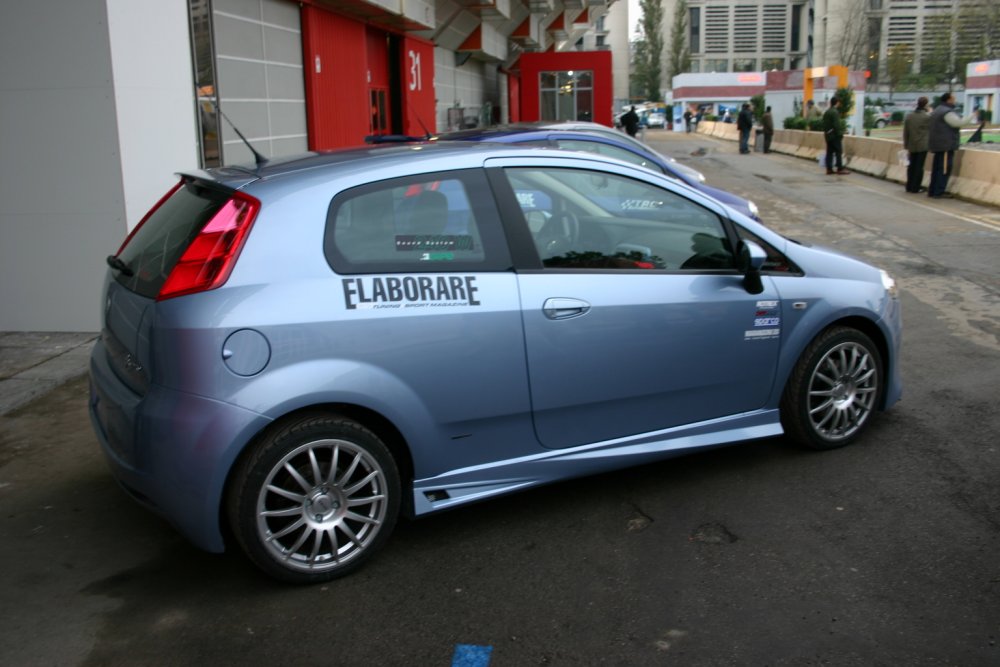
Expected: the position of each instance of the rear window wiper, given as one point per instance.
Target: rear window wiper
(115, 262)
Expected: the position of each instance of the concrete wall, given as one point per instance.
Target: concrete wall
(90, 138)
(154, 99)
(616, 22)
(976, 176)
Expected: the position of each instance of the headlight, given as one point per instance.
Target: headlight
(754, 211)
(889, 284)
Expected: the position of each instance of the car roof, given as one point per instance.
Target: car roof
(530, 132)
(359, 159)
(498, 132)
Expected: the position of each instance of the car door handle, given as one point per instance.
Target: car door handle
(563, 309)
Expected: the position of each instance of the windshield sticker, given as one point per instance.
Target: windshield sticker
(640, 204)
(410, 292)
(437, 257)
(533, 200)
(434, 242)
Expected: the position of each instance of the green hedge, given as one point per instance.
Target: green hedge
(800, 123)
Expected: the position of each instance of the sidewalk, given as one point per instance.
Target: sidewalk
(32, 364)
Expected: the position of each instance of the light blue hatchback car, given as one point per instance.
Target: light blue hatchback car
(305, 349)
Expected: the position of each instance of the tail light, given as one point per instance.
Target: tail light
(209, 259)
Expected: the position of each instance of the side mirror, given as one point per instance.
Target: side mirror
(750, 259)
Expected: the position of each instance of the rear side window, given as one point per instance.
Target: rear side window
(436, 222)
(162, 237)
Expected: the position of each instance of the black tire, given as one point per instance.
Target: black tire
(834, 389)
(314, 499)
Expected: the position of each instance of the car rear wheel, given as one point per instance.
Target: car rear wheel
(315, 499)
(833, 390)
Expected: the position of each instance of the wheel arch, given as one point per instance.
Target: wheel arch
(869, 328)
(377, 423)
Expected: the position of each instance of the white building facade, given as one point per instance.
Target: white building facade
(933, 36)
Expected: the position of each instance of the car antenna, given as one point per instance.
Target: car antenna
(258, 158)
(427, 133)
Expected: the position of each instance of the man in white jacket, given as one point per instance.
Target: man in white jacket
(943, 142)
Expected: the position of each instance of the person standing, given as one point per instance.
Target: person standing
(812, 111)
(687, 120)
(630, 120)
(744, 123)
(833, 132)
(916, 133)
(768, 122)
(943, 142)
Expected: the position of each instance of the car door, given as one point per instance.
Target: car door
(635, 318)
(430, 304)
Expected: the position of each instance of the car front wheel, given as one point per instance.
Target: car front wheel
(833, 390)
(314, 499)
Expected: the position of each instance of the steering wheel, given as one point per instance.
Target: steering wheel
(559, 235)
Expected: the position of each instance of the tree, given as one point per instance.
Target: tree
(758, 104)
(679, 58)
(952, 39)
(977, 30)
(898, 65)
(637, 80)
(846, 97)
(647, 54)
(852, 30)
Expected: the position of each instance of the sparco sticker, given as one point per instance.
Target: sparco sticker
(410, 292)
(766, 321)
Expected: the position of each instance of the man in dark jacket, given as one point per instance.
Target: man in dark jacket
(833, 132)
(630, 120)
(916, 133)
(744, 123)
(943, 142)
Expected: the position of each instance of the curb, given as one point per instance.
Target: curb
(34, 363)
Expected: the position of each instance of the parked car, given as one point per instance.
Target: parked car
(296, 353)
(612, 144)
(656, 119)
(881, 117)
(605, 131)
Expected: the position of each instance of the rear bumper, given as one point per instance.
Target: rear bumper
(169, 450)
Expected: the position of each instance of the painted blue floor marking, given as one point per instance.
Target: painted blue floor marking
(470, 655)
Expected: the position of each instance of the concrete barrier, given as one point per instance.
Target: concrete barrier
(870, 156)
(976, 175)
